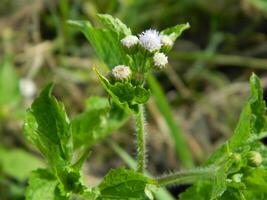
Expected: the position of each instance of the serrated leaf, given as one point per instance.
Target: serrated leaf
(48, 127)
(175, 31)
(96, 122)
(125, 95)
(114, 24)
(105, 42)
(18, 163)
(42, 186)
(124, 184)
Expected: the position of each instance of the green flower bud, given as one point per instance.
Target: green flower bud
(254, 158)
(237, 178)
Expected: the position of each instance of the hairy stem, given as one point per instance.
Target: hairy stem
(140, 134)
(187, 177)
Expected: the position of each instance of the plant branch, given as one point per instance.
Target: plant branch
(140, 134)
(187, 177)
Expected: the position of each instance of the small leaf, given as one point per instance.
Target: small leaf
(124, 184)
(125, 94)
(114, 24)
(175, 31)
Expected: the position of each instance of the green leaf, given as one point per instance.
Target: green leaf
(124, 184)
(9, 84)
(114, 24)
(105, 42)
(48, 127)
(42, 186)
(175, 31)
(125, 95)
(18, 163)
(96, 122)
(251, 124)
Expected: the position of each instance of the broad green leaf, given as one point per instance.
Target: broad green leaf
(48, 127)
(175, 31)
(125, 95)
(42, 186)
(18, 163)
(114, 24)
(124, 184)
(98, 121)
(105, 42)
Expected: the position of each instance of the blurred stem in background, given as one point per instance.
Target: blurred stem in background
(181, 146)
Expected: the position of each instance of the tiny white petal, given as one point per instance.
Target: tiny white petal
(166, 40)
(130, 41)
(150, 40)
(27, 87)
(121, 72)
(160, 60)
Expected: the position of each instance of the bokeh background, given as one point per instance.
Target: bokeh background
(198, 96)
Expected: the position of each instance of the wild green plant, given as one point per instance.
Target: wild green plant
(237, 170)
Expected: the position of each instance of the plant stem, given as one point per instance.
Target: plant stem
(188, 176)
(140, 134)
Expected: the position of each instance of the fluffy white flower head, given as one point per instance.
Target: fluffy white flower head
(27, 88)
(121, 72)
(166, 40)
(160, 60)
(150, 40)
(130, 41)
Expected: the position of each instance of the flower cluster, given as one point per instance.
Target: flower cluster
(150, 43)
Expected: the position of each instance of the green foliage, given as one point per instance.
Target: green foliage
(109, 49)
(48, 128)
(42, 186)
(18, 163)
(125, 95)
(9, 86)
(98, 121)
(232, 157)
(175, 31)
(114, 24)
(124, 184)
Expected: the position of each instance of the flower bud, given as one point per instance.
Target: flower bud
(160, 60)
(237, 177)
(254, 158)
(130, 41)
(166, 43)
(121, 72)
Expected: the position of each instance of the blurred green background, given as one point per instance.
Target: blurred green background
(196, 100)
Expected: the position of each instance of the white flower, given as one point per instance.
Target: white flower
(130, 41)
(166, 40)
(150, 40)
(160, 60)
(27, 87)
(121, 72)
